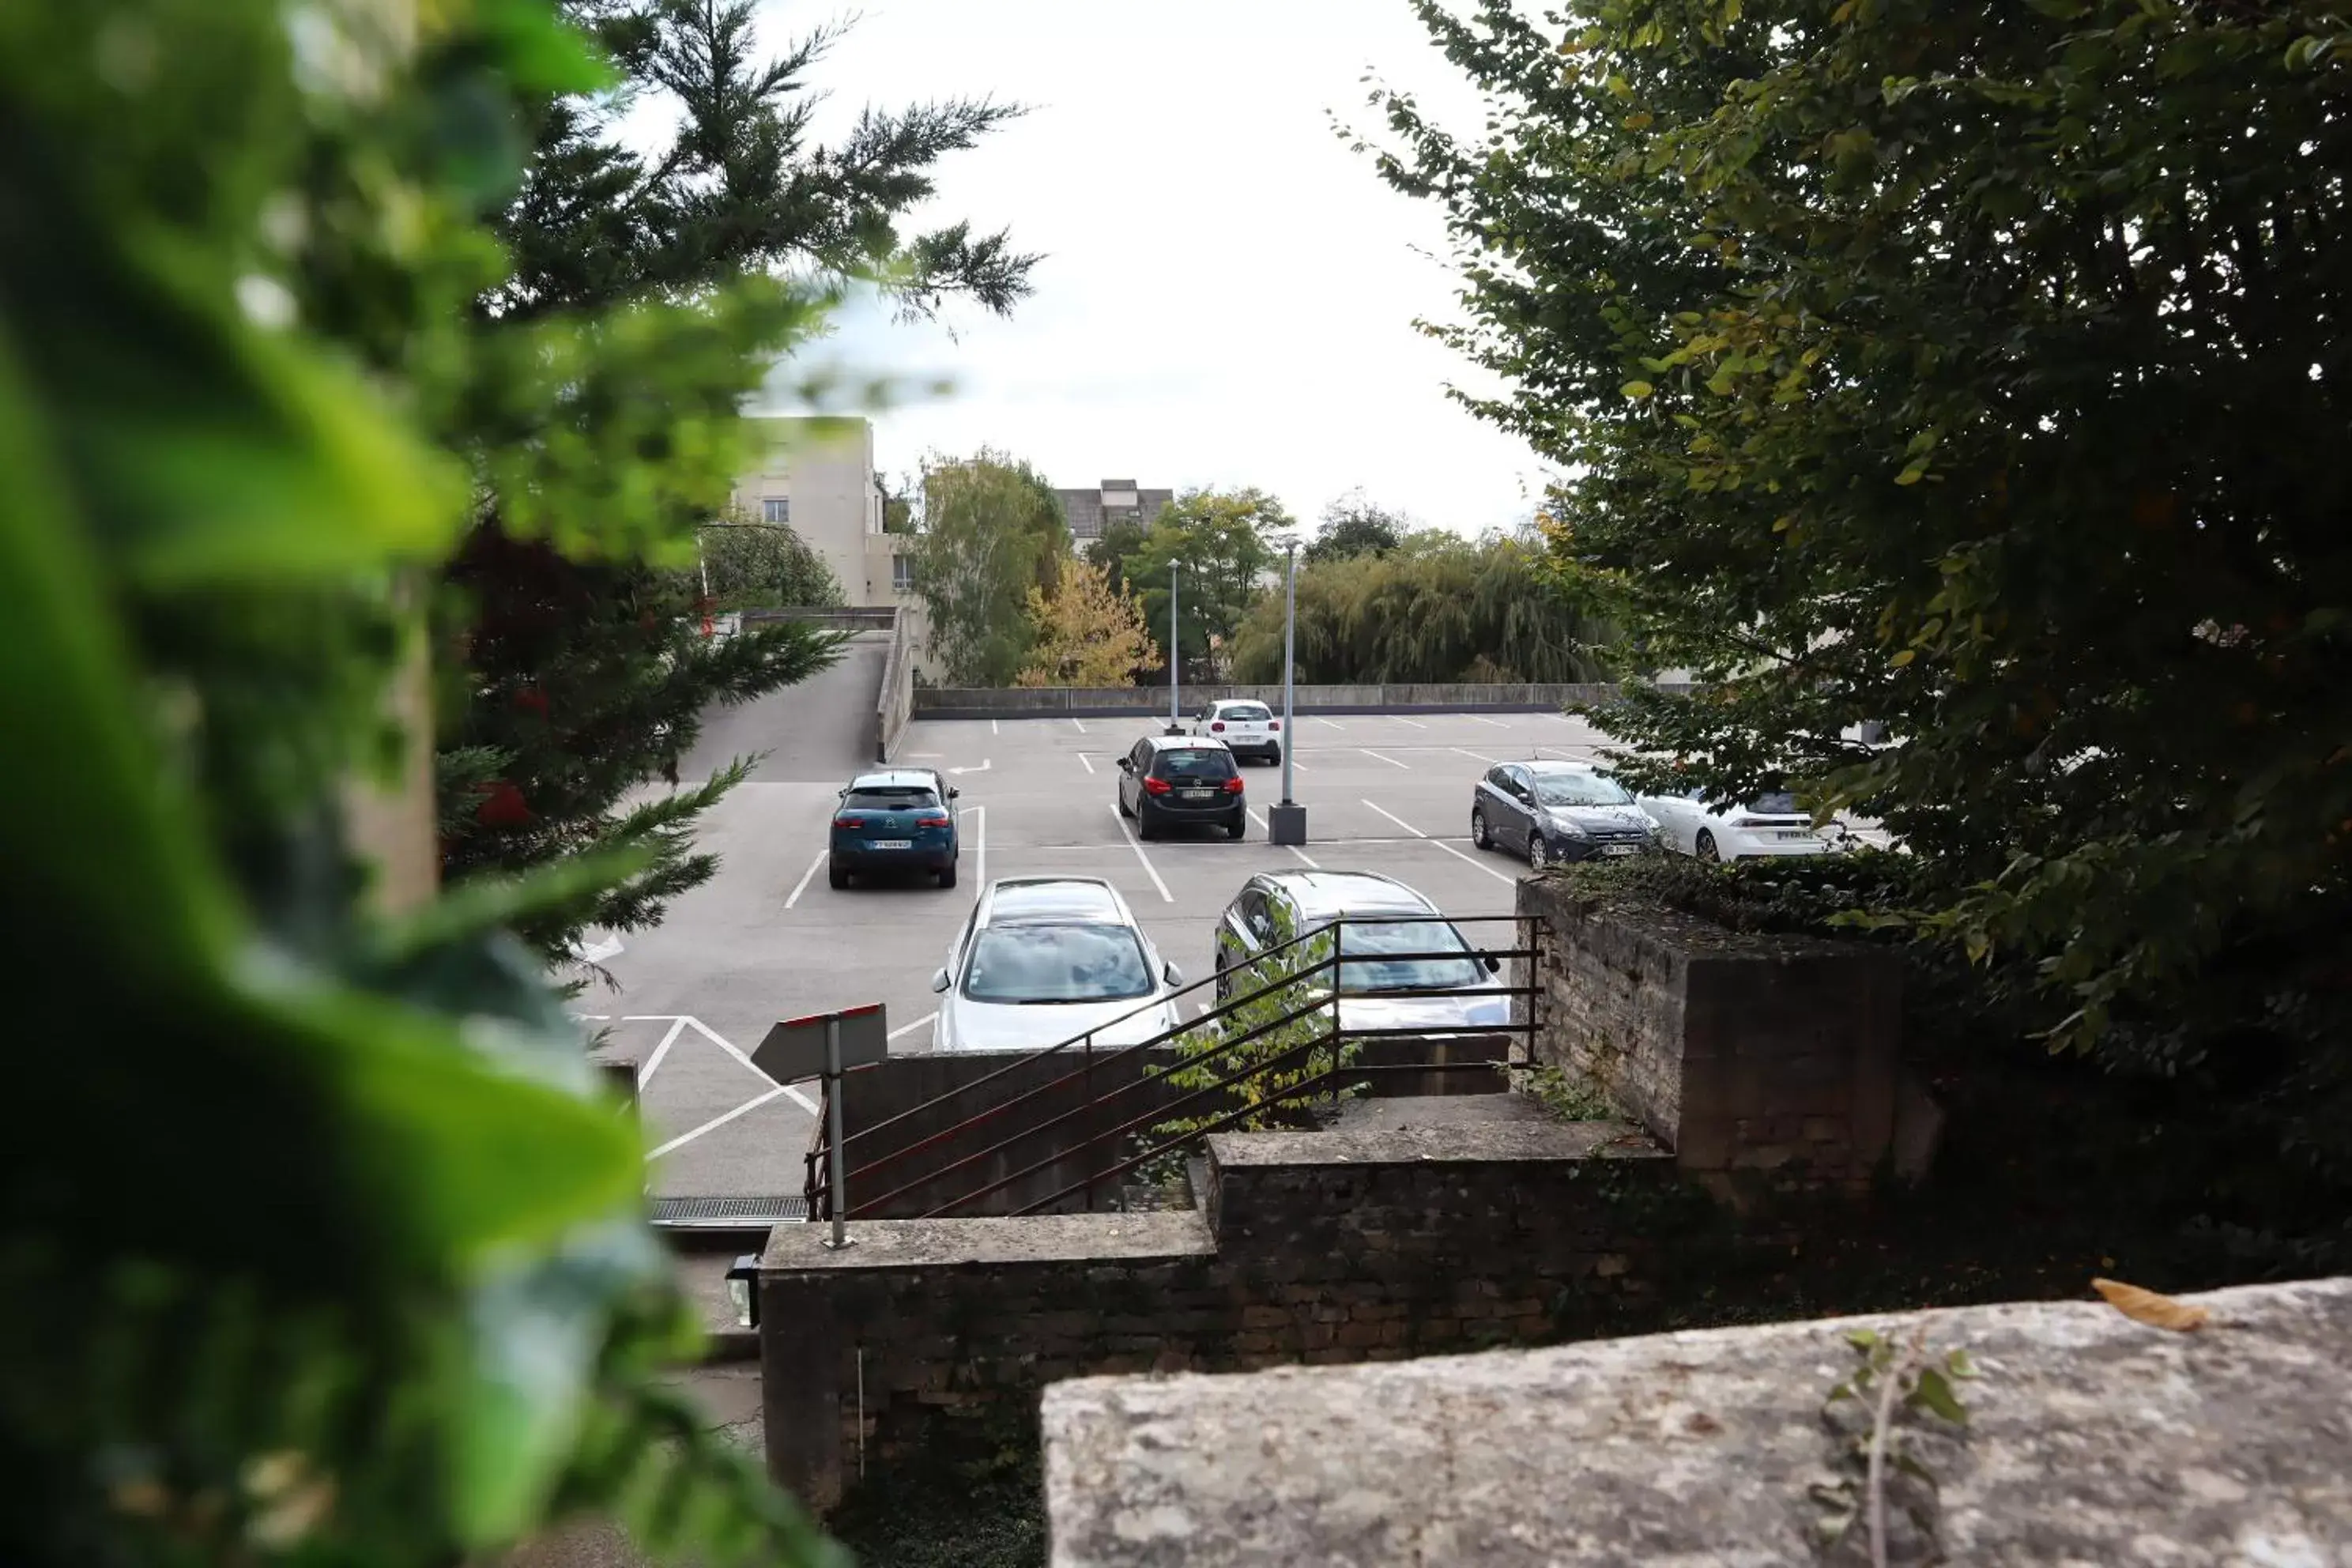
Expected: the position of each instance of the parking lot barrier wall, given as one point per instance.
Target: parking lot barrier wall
(1740, 1052)
(937, 1337)
(1145, 701)
(894, 707)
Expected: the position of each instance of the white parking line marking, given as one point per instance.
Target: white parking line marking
(654, 1062)
(1165, 896)
(802, 886)
(1298, 854)
(1088, 760)
(1080, 728)
(1329, 725)
(717, 1121)
(1494, 723)
(1391, 761)
(1480, 756)
(992, 727)
(1408, 722)
(910, 1028)
(979, 840)
(1438, 844)
(724, 1044)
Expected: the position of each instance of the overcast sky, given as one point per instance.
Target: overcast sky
(1227, 294)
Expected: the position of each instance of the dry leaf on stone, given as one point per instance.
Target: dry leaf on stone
(2148, 1307)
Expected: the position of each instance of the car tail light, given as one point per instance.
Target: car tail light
(1753, 822)
(937, 819)
(1274, 723)
(1218, 727)
(849, 822)
(1234, 784)
(1155, 786)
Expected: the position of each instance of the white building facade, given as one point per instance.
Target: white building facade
(816, 477)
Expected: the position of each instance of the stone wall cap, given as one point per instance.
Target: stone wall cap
(2092, 1438)
(1491, 1142)
(799, 1248)
(1694, 936)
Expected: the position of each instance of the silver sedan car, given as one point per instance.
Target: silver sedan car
(1403, 950)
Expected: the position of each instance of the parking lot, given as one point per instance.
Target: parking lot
(767, 939)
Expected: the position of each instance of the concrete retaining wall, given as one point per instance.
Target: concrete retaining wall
(1111, 703)
(894, 705)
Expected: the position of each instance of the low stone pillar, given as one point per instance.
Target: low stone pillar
(1739, 1052)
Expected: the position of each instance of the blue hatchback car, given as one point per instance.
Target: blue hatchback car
(903, 819)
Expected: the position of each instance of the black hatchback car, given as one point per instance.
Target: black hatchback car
(1170, 781)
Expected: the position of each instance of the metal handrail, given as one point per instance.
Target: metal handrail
(1082, 1039)
(1088, 1059)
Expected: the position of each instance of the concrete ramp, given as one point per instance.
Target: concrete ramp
(819, 731)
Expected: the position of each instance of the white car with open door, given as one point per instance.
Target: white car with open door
(1043, 960)
(1771, 824)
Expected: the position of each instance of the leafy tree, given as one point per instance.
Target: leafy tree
(1087, 634)
(1218, 542)
(404, 1310)
(1982, 373)
(1436, 608)
(1114, 547)
(993, 535)
(576, 675)
(1353, 526)
(749, 565)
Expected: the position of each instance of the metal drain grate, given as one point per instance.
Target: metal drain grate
(726, 1213)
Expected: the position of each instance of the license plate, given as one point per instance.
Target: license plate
(1793, 835)
(893, 844)
(1621, 849)
(1199, 794)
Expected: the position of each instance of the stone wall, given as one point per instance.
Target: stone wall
(1739, 1052)
(938, 1335)
(2090, 1439)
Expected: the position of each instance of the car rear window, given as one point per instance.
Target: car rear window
(1245, 712)
(1366, 966)
(1776, 803)
(893, 797)
(1195, 761)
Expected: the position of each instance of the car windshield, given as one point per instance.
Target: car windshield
(889, 797)
(1775, 803)
(1196, 762)
(1245, 713)
(1580, 789)
(1036, 965)
(1362, 968)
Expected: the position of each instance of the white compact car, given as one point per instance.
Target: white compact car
(1771, 824)
(1247, 729)
(1048, 959)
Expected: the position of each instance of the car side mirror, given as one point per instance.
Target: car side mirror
(939, 980)
(1127, 764)
(1493, 964)
(1173, 975)
(954, 793)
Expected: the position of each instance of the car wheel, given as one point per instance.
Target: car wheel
(1121, 799)
(1224, 982)
(1273, 758)
(1238, 828)
(1538, 852)
(948, 875)
(1479, 833)
(1707, 849)
(836, 874)
(1144, 827)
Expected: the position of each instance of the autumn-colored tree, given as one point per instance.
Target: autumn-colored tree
(1089, 633)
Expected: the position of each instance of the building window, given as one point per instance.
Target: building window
(902, 574)
(778, 509)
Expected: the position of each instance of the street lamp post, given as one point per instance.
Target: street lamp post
(1287, 824)
(1175, 719)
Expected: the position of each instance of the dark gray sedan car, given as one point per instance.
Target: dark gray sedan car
(1552, 812)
